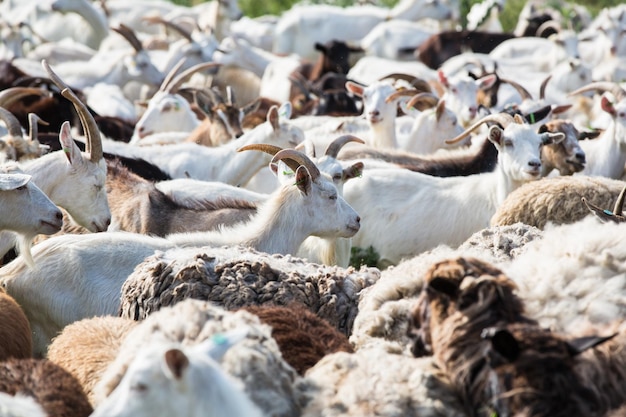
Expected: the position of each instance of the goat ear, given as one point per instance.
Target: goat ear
(540, 114)
(548, 138)
(354, 88)
(353, 171)
(272, 118)
(303, 180)
(503, 342)
(443, 80)
(589, 134)
(496, 135)
(607, 106)
(543, 128)
(581, 344)
(487, 81)
(71, 150)
(176, 361)
(441, 107)
(320, 47)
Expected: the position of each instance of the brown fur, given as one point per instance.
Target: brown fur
(58, 392)
(303, 337)
(15, 337)
(212, 132)
(484, 160)
(86, 347)
(556, 200)
(554, 155)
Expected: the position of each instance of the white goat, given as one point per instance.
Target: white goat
(300, 27)
(606, 155)
(83, 274)
(414, 212)
(27, 211)
(167, 379)
(388, 39)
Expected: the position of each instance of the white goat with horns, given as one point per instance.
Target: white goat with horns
(87, 282)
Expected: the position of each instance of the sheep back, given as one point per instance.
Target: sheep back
(556, 200)
(303, 337)
(373, 382)
(15, 336)
(55, 389)
(237, 277)
(86, 347)
(256, 361)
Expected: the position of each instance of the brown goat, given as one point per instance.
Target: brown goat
(303, 337)
(566, 156)
(15, 337)
(58, 392)
(86, 347)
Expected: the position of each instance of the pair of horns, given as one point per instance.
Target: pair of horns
(503, 119)
(172, 82)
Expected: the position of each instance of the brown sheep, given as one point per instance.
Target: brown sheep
(15, 338)
(86, 347)
(55, 389)
(303, 337)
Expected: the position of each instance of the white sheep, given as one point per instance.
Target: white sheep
(415, 212)
(166, 379)
(311, 207)
(255, 361)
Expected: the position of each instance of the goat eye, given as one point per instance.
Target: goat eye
(22, 188)
(336, 177)
(332, 197)
(139, 387)
(508, 142)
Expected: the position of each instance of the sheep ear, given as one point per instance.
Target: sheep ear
(503, 342)
(176, 361)
(303, 180)
(581, 344)
(71, 150)
(353, 171)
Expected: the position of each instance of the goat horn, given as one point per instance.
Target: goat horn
(550, 24)
(519, 88)
(502, 118)
(130, 36)
(168, 78)
(13, 125)
(175, 84)
(272, 150)
(8, 96)
(336, 145)
(92, 133)
(416, 82)
(402, 93)
(230, 95)
(619, 204)
(295, 159)
(428, 99)
(33, 121)
(542, 87)
(614, 88)
(168, 23)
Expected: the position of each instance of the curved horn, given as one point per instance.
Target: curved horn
(13, 125)
(130, 36)
(33, 121)
(619, 204)
(550, 24)
(92, 133)
(519, 88)
(168, 23)
(168, 78)
(542, 87)
(423, 101)
(230, 95)
(8, 96)
(173, 86)
(402, 93)
(336, 145)
(503, 119)
(416, 82)
(272, 150)
(295, 159)
(614, 88)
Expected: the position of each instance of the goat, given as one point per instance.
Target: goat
(446, 199)
(567, 156)
(332, 216)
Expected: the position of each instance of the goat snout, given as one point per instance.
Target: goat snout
(580, 157)
(103, 226)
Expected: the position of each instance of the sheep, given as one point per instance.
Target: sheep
(20, 406)
(327, 215)
(375, 382)
(169, 378)
(256, 361)
(252, 278)
(384, 309)
(302, 336)
(556, 200)
(447, 198)
(299, 28)
(605, 155)
(58, 392)
(14, 330)
(85, 348)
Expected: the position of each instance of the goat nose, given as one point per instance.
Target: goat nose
(238, 135)
(358, 219)
(580, 156)
(59, 216)
(472, 111)
(374, 112)
(534, 164)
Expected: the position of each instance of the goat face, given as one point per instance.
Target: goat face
(336, 218)
(139, 67)
(375, 107)
(567, 157)
(166, 112)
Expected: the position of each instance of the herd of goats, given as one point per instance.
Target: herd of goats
(188, 196)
